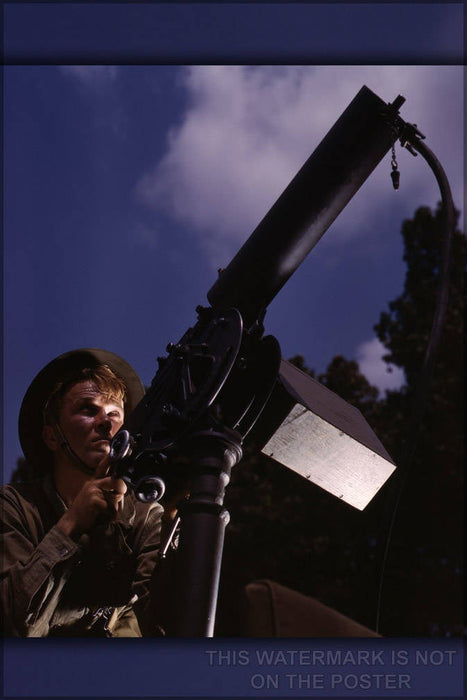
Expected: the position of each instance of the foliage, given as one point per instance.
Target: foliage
(287, 530)
(424, 567)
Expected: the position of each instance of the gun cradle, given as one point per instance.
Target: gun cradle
(217, 377)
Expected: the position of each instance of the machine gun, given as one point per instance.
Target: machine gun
(225, 379)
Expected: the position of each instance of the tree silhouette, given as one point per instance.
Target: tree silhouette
(424, 566)
(300, 536)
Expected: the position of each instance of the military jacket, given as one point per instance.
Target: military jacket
(100, 585)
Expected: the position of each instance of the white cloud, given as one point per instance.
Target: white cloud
(247, 130)
(91, 76)
(369, 357)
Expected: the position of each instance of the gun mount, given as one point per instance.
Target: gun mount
(210, 390)
(223, 370)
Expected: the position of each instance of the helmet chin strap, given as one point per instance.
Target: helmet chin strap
(70, 453)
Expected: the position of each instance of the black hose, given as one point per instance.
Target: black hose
(423, 386)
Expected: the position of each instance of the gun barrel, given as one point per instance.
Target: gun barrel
(314, 198)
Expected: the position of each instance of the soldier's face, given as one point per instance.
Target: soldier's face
(89, 420)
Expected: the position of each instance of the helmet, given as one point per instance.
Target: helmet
(31, 413)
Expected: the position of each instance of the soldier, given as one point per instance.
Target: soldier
(79, 551)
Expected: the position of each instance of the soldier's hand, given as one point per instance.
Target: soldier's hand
(97, 497)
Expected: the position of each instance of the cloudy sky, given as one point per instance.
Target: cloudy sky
(128, 186)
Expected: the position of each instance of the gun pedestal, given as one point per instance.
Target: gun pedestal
(203, 522)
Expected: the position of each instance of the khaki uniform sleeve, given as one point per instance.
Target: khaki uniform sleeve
(32, 574)
(124, 623)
